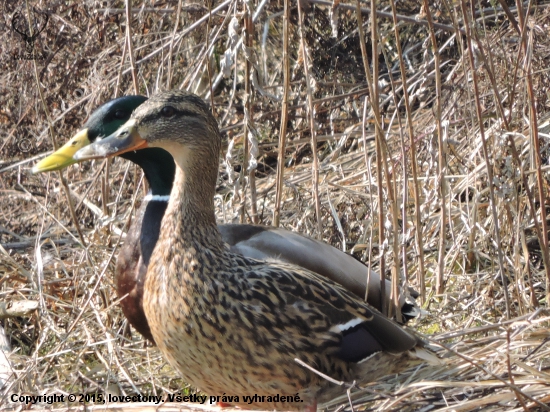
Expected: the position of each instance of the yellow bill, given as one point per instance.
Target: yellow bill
(63, 157)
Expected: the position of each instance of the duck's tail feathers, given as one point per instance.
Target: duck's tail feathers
(427, 355)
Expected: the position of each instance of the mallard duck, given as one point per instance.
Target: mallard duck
(236, 325)
(260, 242)
(159, 168)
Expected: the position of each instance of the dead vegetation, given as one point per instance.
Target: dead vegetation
(444, 151)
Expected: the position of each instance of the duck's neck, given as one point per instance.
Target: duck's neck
(158, 166)
(190, 218)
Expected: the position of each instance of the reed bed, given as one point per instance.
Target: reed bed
(416, 138)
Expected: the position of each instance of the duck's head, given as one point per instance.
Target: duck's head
(104, 121)
(176, 121)
(157, 164)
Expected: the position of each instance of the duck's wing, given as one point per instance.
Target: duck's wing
(306, 305)
(275, 244)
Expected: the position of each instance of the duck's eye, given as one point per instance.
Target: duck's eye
(120, 114)
(168, 111)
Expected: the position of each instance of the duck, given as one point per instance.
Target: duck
(159, 170)
(256, 241)
(262, 331)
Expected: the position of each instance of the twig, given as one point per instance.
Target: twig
(440, 279)
(32, 242)
(171, 49)
(16, 309)
(534, 131)
(488, 163)
(414, 165)
(284, 118)
(130, 45)
(312, 128)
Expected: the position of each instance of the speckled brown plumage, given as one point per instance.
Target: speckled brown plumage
(232, 324)
(259, 242)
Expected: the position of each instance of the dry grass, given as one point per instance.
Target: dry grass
(472, 248)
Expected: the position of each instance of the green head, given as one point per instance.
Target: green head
(157, 164)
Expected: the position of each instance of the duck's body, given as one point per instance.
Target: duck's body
(235, 325)
(259, 242)
(231, 324)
